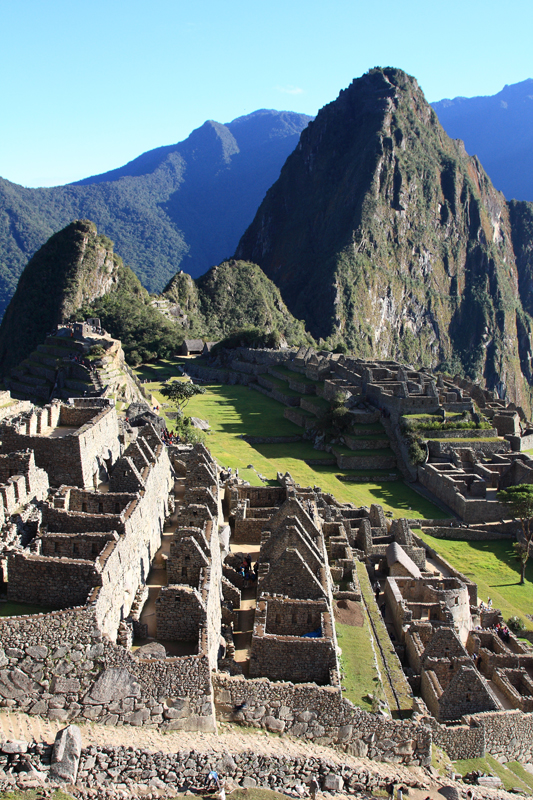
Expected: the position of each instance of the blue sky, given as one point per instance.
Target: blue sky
(87, 86)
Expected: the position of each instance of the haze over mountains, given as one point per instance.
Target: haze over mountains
(181, 206)
(186, 205)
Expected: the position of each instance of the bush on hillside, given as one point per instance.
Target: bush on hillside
(249, 337)
(516, 625)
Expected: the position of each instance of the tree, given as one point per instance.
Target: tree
(180, 393)
(519, 500)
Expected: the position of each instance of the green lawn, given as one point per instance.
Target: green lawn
(357, 662)
(509, 777)
(495, 569)
(18, 609)
(235, 411)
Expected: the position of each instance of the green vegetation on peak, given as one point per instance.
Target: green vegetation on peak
(76, 275)
(73, 267)
(185, 204)
(127, 313)
(232, 296)
(383, 233)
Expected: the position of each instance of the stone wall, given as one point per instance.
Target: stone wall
(321, 714)
(72, 545)
(188, 556)
(68, 459)
(59, 666)
(459, 741)
(259, 496)
(467, 534)
(53, 582)
(248, 530)
(292, 658)
(180, 613)
(346, 461)
(293, 617)
(471, 511)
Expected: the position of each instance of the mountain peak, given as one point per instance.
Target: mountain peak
(382, 232)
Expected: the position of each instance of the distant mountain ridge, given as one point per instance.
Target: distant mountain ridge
(498, 129)
(179, 206)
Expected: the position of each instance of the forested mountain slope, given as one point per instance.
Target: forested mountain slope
(181, 206)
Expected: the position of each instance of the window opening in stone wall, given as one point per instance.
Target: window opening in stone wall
(75, 548)
(100, 508)
(117, 508)
(184, 572)
(56, 547)
(177, 599)
(84, 507)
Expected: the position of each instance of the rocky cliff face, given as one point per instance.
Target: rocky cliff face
(381, 231)
(72, 269)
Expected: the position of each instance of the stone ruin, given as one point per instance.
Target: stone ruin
(88, 512)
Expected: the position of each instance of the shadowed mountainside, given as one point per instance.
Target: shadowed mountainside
(382, 232)
(185, 205)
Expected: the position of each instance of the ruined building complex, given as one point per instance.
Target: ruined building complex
(131, 552)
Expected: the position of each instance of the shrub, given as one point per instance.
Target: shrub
(416, 450)
(516, 625)
(188, 433)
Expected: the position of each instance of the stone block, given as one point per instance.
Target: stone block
(40, 707)
(345, 733)
(333, 783)
(248, 783)
(306, 716)
(113, 684)
(298, 729)
(66, 755)
(15, 684)
(61, 685)
(226, 764)
(15, 746)
(59, 714)
(357, 748)
(273, 724)
(37, 651)
(138, 717)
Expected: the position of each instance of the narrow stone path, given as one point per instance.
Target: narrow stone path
(504, 701)
(157, 577)
(242, 637)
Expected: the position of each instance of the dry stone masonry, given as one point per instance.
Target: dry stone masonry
(95, 506)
